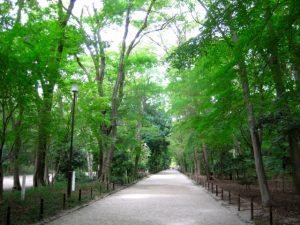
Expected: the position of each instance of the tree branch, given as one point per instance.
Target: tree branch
(69, 12)
(162, 27)
(217, 25)
(145, 24)
(159, 44)
(118, 88)
(83, 67)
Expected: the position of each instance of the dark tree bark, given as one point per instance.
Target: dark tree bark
(6, 114)
(1, 181)
(197, 162)
(256, 145)
(206, 161)
(44, 115)
(16, 124)
(96, 49)
(46, 103)
(118, 94)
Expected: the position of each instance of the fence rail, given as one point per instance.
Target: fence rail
(231, 192)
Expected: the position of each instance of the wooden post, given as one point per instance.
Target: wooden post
(252, 215)
(283, 182)
(229, 197)
(8, 216)
(79, 195)
(271, 215)
(222, 194)
(239, 202)
(64, 201)
(42, 208)
(212, 187)
(91, 193)
(217, 190)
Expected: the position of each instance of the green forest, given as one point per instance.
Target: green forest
(118, 89)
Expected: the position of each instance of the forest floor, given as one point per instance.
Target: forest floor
(286, 204)
(28, 211)
(166, 198)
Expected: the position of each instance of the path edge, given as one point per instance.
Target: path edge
(69, 211)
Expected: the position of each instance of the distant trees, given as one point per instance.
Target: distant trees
(121, 13)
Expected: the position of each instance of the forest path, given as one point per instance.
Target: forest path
(166, 198)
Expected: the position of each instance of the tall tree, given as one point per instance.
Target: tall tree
(48, 83)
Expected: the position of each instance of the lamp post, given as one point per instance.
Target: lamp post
(70, 169)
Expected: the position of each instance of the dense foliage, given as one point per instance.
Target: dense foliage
(120, 125)
(232, 98)
(235, 93)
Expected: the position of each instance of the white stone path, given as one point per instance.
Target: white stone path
(166, 198)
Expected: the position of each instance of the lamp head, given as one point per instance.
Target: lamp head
(75, 88)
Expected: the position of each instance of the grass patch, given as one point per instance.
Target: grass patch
(28, 211)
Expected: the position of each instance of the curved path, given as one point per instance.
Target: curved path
(166, 198)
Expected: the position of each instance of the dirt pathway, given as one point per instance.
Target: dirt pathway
(167, 198)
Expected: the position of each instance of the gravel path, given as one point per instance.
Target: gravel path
(167, 198)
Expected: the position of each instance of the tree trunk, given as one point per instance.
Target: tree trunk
(46, 174)
(116, 100)
(105, 131)
(48, 87)
(105, 167)
(117, 96)
(43, 138)
(104, 152)
(89, 158)
(99, 60)
(222, 164)
(260, 171)
(1, 180)
(40, 158)
(206, 161)
(16, 126)
(15, 162)
(138, 149)
(295, 158)
(100, 157)
(197, 162)
(136, 160)
(63, 145)
(263, 186)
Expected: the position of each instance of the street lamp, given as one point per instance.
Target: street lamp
(70, 169)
